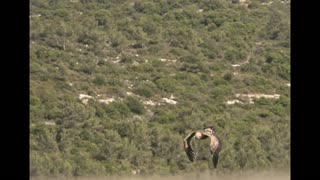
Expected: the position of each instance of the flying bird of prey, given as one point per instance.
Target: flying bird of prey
(215, 144)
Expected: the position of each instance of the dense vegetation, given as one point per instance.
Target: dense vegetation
(124, 54)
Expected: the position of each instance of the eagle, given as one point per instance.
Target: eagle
(215, 143)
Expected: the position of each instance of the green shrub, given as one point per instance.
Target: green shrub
(143, 91)
(100, 80)
(166, 84)
(135, 105)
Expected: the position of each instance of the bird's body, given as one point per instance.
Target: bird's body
(215, 144)
(199, 135)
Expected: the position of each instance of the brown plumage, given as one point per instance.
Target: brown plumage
(215, 144)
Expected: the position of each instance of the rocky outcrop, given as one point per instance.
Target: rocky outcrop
(251, 97)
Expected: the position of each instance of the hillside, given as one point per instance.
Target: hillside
(115, 85)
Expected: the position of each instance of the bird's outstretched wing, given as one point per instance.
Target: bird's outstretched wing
(214, 142)
(215, 147)
(187, 146)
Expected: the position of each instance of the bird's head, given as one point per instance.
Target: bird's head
(211, 129)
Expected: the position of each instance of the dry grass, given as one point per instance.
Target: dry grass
(248, 175)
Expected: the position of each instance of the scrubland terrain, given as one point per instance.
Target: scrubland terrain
(115, 86)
